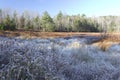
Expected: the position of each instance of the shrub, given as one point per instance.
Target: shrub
(43, 59)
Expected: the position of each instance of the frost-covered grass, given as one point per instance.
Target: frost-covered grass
(57, 59)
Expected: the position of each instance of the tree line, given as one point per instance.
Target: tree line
(59, 23)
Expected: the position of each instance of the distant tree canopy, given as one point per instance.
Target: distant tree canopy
(47, 23)
(59, 23)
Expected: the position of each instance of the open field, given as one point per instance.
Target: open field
(30, 34)
(59, 56)
(43, 34)
(111, 38)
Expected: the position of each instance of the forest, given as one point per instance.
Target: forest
(12, 20)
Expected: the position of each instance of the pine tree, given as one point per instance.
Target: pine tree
(47, 22)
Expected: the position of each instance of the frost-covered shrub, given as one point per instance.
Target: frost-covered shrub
(114, 48)
(47, 59)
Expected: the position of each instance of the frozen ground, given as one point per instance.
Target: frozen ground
(57, 59)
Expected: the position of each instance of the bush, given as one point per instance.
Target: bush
(46, 59)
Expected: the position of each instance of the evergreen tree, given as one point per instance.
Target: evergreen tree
(47, 22)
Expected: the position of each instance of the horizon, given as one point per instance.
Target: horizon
(89, 7)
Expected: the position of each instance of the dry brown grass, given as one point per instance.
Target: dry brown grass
(111, 38)
(114, 37)
(29, 34)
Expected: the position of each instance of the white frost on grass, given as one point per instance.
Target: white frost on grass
(57, 59)
(114, 48)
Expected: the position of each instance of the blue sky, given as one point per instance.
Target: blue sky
(71, 7)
